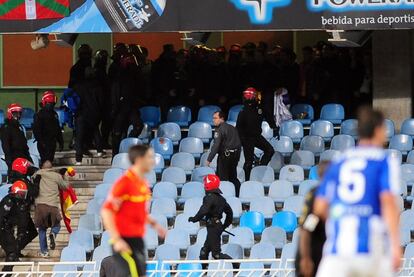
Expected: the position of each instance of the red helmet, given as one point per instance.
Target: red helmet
(21, 165)
(211, 182)
(13, 108)
(19, 189)
(49, 97)
(250, 94)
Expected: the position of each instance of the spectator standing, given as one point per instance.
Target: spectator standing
(277, 109)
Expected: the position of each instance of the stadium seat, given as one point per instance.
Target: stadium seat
(398, 155)
(160, 219)
(193, 146)
(240, 174)
(151, 239)
(151, 115)
(303, 158)
(145, 133)
(233, 250)
(190, 190)
(315, 144)
(236, 206)
(251, 269)
(263, 205)
(101, 253)
(4, 190)
(192, 205)
(151, 177)
(174, 175)
(267, 132)
(201, 130)
(263, 250)
(250, 190)
(92, 223)
(73, 253)
(61, 117)
(404, 189)
(82, 238)
(390, 127)
(307, 186)
(350, 127)
(167, 252)
(1, 151)
(253, 220)
(1, 117)
(407, 127)
(94, 206)
(163, 146)
(263, 174)
(234, 113)
(102, 191)
(189, 270)
(292, 173)
(111, 175)
(170, 130)
(164, 190)
(203, 160)
(201, 236)
(178, 237)
(183, 160)
(276, 236)
(227, 188)
(65, 270)
(243, 236)
(164, 206)
(205, 113)
(159, 163)
(329, 155)
(193, 252)
(292, 129)
(303, 113)
(342, 142)
(294, 204)
(405, 236)
(181, 223)
(277, 162)
(283, 145)
(322, 128)
(121, 160)
(403, 143)
(32, 144)
(295, 236)
(313, 173)
(200, 172)
(406, 219)
(126, 143)
(3, 169)
(286, 220)
(27, 118)
(288, 256)
(180, 115)
(334, 113)
(280, 190)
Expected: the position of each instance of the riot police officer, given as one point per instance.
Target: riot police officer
(214, 205)
(228, 147)
(249, 125)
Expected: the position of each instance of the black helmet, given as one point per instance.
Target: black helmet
(101, 56)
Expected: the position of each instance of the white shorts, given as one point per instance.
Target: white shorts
(356, 266)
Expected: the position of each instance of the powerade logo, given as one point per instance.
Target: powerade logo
(359, 5)
(136, 12)
(260, 11)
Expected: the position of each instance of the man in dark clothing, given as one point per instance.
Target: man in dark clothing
(249, 125)
(46, 128)
(214, 205)
(228, 147)
(13, 139)
(77, 72)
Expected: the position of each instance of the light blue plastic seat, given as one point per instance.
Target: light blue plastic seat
(174, 175)
(121, 160)
(111, 175)
(205, 113)
(243, 236)
(342, 142)
(307, 186)
(151, 239)
(65, 270)
(227, 188)
(283, 145)
(4, 190)
(204, 157)
(276, 236)
(407, 127)
(27, 118)
(253, 220)
(127, 143)
(403, 143)
(200, 172)
(322, 128)
(3, 168)
(251, 269)
(250, 190)
(406, 219)
(190, 190)
(277, 162)
(286, 220)
(263, 250)
(280, 190)
(263, 205)
(164, 206)
(193, 146)
(189, 270)
(82, 238)
(299, 109)
(263, 174)
(313, 173)
(164, 190)
(292, 129)
(158, 269)
(233, 250)
(163, 146)
(161, 219)
(329, 155)
(178, 237)
(145, 133)
(102, 191)
(398, 155)
(267, 132)
(350, 127)
(94, 206)
(159, 164)
(181, 223)
(234, 113)
(201, 236)
(170, 130)
(180, 115)
(315, 144)
(92, 223)
(183, 160)
(236, 206)
(151, 177)
(151, 115)
(404, 189)
(167, 252)
(334, 113)
(201, 130)
(292, 173)
(193, 252)
(303, 158)
(100, 253)
(390, 128)
(405, 235)
(32, 144)
(294, 204)
(74, 253)
(105, 239)
(192, 205)
(288, 256)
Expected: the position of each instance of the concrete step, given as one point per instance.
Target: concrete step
(85, 161)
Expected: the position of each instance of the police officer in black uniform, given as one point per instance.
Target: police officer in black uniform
(214, 205)
(249, 125)
(228, 147)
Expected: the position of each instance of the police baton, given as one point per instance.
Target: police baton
(230, 233)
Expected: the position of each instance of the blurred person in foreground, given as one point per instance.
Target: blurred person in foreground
(125, 214)
(357, 198)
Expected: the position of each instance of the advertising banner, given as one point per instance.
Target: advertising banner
(105, 16)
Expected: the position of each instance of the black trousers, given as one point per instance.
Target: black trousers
(227, 168)
(137, 259)
(47, 151)
(248, 148)
(10, 246)
(213, 244)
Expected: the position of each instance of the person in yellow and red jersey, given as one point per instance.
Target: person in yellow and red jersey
(125, 213)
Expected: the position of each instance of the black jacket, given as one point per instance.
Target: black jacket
(14, 142)
(226, 137)
(249, 121)
(46, 128)
(214, 205)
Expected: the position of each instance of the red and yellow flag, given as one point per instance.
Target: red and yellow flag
(68, 198)
(33, 9)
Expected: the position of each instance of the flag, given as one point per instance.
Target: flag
(33, 9)
(68, 199)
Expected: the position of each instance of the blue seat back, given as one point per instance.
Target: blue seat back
(292, 129)
(193, 146)
(390, 128)
(286, 220)
(329, 155)
(334, 113)
(121, 160)
(111, 175)
(174, 175)
(342, 142)
(350, 127)
(127, 143)
(61, 117)
(151, 115)
(183, 160)
(200, 172)
(303, 158)
(1, 118)
(407, 127)
(167, 252)
(159, 163)
(27, 118)
(284, 145)
(163, 146)
(267, 132)
(299, 109)
(180, 115)
(253, 220)
(164, 190)
(164, 206)
(313, 173)
(205, 114)
(201, 130)
(401, 142)
(322, 128)
(170, 130)
(263, 174)
(312, 143)
(82, 238)
(234, 113)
